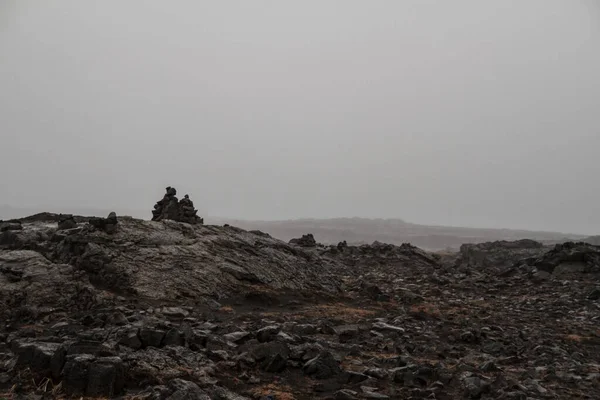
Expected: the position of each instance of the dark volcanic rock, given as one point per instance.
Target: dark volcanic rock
(178, 389)
(305, 241)
(66, 221)
(322, 366)
(35, 355)
(577, 257)
(272, 356)
(96, 377)
(108, 224)
(498, 255)
(10, 226)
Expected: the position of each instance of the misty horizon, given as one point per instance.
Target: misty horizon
(450, 114)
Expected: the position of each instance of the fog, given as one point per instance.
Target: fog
(467, 113)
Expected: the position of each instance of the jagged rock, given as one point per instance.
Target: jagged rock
(10, 226)
(66, 221)
(374, 292)
(117, 318)
(174, 312)
(307, 240)
(170, 208)
(575, 257)
(272, 356)
(346, 394)
(367, 394)
(356, 377)
(108, 225)
(185, 390)
(35, 355)
(237, 337)
(132, 340)
(499, 255)
(268, 333)
(382, 326)
(322, 366)
(594, 294)
(95, 377)
(475, 387)
(106, 377)
(173, 337)
(75, 374)
(152, 337)
(347, 332)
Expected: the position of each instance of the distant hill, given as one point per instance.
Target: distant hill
(395, 231)
(595, 240)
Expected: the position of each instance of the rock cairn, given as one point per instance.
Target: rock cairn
(177, 210)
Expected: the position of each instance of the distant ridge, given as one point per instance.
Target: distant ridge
(396, 231)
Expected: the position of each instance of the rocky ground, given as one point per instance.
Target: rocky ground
(168, 310)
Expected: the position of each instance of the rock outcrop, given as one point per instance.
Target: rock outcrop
(170, 208)
(307, 240)
(108, 224)
(499, 255)
(569, 257)
(66, 221)
(10, 226)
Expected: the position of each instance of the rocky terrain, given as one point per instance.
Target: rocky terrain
(119, 307)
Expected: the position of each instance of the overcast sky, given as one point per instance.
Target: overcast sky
(473, 113)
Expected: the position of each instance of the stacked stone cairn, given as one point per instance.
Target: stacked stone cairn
(177, 210)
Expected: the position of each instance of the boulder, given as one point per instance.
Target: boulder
(322, 366)
(66, 221)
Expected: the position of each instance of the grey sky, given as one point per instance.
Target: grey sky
(473, 113)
